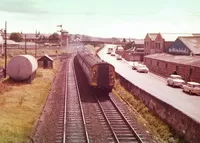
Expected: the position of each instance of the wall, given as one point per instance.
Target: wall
(181, 123)
(164, 69)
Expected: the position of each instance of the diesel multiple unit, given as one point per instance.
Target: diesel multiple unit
(100, 74)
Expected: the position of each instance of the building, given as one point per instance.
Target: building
(31, 37)
(149, 43)
(165, 40)
(45, 62)
(64, 38)
(185, 46)
(159, 42)
(136, 52)
(183, 56)
(30, 45)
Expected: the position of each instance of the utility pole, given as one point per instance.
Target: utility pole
(36, 36)
(5, 32)
(25, 43)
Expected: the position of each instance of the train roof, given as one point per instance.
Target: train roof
(91, 59)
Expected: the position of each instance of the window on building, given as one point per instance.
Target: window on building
(166, 65)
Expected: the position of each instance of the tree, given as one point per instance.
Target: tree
(128, 45)
(17, 37)
(54, 37)
(124, 40)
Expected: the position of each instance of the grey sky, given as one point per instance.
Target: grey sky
(102, 17)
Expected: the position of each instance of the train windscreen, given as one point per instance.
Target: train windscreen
(103, 75)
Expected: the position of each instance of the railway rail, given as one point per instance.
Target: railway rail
(72, 122)
(107, 118)
(120, 127)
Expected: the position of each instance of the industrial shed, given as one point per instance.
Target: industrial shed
(165, 64)
(45, 62)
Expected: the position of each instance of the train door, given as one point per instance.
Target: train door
(103, 75)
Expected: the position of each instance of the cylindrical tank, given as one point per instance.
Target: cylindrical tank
(21, 67)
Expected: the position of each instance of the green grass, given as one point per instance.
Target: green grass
(21, 105)
(159, 130)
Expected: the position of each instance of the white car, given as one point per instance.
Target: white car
(175, 80)
(119, 57)
(192, 88)
(110, 50)
(142, 68)
(135, 64)
(112, 54)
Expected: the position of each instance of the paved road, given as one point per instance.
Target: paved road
(156, 85)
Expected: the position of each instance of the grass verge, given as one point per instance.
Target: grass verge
(21, 104)
(159, 130)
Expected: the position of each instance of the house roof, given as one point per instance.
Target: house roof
(27, 43)
(47, 56)
(9, 42)
(173, 36)
(152, 36)
(180, 59)
(192, 42)
(139, 41)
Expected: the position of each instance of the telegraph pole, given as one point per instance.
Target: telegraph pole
(5, 32)
(25, 44)
(35, 43)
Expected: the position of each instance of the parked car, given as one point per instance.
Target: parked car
(142, 68)
(192, 88)
(110, 50)
(112, 54)
(175, 80)
(135, 64)
(119, 57)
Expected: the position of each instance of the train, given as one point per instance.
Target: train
(100, 74)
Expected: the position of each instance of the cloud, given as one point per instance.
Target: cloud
(21, 6)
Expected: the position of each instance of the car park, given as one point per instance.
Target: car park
(175, 80)
(119, 57)
(192, 88)
(142, 68)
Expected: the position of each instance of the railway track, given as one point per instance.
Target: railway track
(72, 126)
(119, 129)
(107, 118)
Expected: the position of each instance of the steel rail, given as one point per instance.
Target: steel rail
(133, 130)
(108, 122)
(82, 112)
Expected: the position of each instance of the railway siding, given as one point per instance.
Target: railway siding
(181, 123)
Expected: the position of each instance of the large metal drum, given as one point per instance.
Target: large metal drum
(22, 67)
